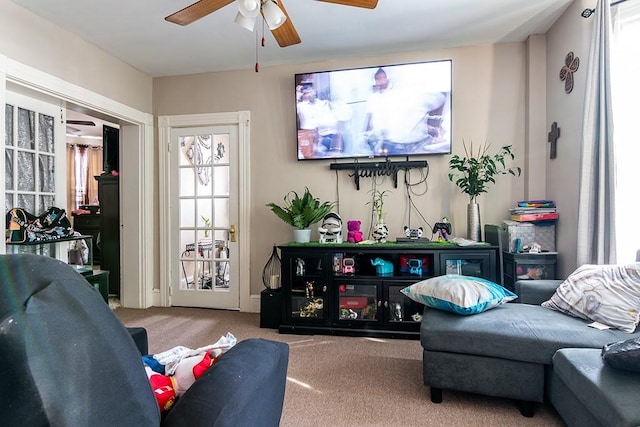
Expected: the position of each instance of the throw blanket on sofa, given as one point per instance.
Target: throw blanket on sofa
(173, 371)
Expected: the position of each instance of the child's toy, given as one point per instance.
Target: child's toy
(354, 235)
(348, 265)
(331, 229)
(415, 266)
(172, 372)
(383, 267)
(411, 265)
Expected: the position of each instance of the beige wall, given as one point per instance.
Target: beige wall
(496, 97)
(570, 33)
(489, 103)
(32, 41)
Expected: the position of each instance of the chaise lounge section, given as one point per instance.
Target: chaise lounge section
(516, 351)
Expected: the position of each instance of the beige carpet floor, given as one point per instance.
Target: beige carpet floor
(340, 381)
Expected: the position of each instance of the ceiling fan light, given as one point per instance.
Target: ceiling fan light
(249, 8)
(273, 15)
(248, 22)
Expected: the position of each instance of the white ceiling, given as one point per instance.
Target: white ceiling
(135, 30)
(86, 130)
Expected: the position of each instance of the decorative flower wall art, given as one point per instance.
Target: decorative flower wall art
(571, 64)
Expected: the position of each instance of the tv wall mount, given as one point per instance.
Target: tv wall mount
(373, 169)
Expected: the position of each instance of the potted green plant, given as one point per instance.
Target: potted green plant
(207, 224)
(473, 174)
(301, 212)
(377, 204)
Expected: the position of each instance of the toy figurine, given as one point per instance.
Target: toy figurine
(309, 290)
(383, 267)
(299, 267)
(331, 229)
(354, 235)
(348, 265)
(415, 266)
(396, 311)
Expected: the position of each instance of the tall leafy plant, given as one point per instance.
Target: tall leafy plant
(301, 211)
(474, 172)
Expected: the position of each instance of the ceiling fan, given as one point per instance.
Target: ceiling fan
(75, 131)
(274, 14)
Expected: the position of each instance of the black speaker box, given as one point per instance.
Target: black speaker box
(270, 308)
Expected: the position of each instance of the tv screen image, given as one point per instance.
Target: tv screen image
(381, 111)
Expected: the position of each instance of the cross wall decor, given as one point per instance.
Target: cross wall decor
(553, 137)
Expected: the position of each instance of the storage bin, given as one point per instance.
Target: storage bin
(528, 233)
(528, 267)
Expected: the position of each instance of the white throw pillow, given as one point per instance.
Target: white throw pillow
(609, 294)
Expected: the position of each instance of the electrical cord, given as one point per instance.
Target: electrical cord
(409, 188)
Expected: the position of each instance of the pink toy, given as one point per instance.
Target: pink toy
(354, 235)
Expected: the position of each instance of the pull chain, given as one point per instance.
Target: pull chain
(262, 43)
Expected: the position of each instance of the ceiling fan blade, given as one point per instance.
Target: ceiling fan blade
(196, 11)
(81, 122)
(367, 4)
(286, 34)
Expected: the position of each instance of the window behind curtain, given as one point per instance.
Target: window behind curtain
(626, 96)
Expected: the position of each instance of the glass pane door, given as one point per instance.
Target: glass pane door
(308, 287)
(204, 161)
(357, 301)
(402, 309)
(34, 155)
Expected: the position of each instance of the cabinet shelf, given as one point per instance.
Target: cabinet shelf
(319, 297)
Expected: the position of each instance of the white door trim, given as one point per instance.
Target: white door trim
(165, 124)
(137, 142)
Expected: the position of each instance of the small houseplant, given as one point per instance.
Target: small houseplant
(207, 224)
(474, 172)
(377, 204)
(301, 211)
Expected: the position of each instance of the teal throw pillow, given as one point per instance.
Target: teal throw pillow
(459, 294)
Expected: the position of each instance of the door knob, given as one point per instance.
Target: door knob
(232, 233)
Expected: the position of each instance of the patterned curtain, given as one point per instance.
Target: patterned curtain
(81, 174)
(596, 205)
(94, 168)
(71, 179)
(84, 163)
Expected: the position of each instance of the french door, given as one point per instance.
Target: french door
(35, 173)
(204, 216)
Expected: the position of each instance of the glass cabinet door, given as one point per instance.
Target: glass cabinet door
(308, 275)
(401, 309)
(469, 264)
(357, 301)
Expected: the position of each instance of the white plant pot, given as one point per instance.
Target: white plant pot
(302, 236)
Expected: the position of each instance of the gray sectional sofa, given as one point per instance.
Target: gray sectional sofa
(530, 353)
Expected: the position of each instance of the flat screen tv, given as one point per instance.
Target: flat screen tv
(381, 111)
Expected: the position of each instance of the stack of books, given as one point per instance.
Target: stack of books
(534, 210)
